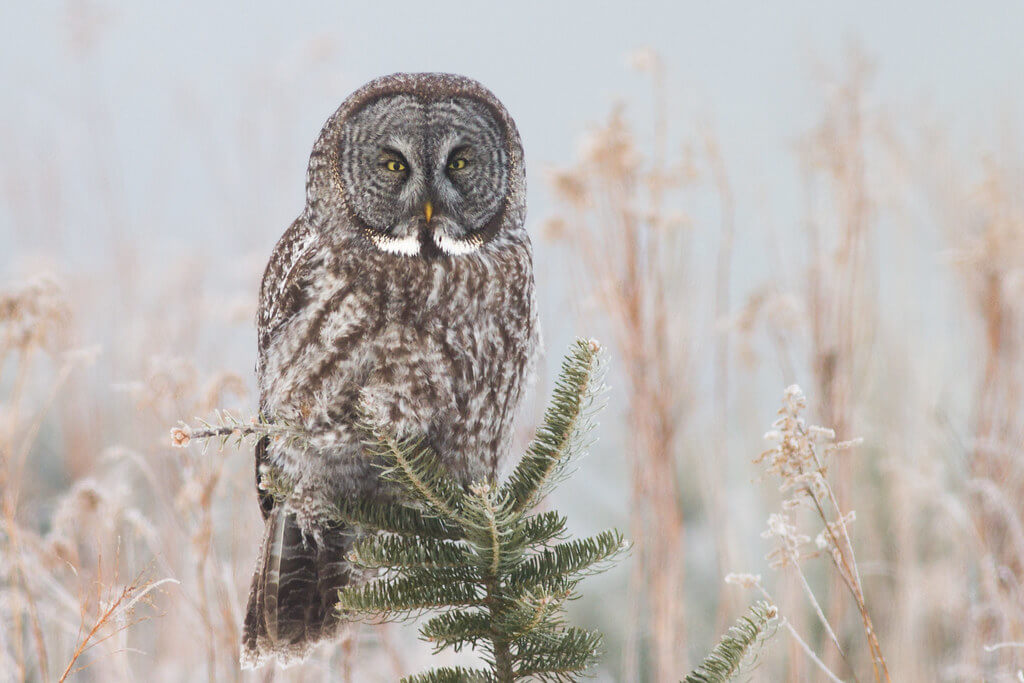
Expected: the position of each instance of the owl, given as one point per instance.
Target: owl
(404, 291)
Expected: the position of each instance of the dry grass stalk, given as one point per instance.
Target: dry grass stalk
(987, 229)
(840, 215)
(794, 459)
(838, 299)
(114, 613)
(631, 249)
(32, 319)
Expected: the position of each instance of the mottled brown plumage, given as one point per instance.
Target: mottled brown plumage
(425, 318)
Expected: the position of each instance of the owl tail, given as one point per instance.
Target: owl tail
(294, 591)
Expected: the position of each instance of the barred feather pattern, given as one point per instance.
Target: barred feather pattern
(436, 345)
(292, 604)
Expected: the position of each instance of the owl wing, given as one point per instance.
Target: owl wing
(281, 292)
(281, 297)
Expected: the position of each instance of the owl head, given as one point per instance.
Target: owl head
(419, 165)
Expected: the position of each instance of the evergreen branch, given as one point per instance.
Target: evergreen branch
(227, 428)
(564, 428)
(456, 674)
(396, 518)
(489, 543)
(557, 656)
(533, 612)
(492, 530)
(569, 558)
(413, 465)
(559, 587)
(736, 646)
(412, 591)
(495, 535)
(456, 628)
(542, 528)
(393, 552)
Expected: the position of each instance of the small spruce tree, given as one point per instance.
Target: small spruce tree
(494, 572)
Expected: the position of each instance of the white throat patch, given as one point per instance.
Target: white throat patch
(457, 247)
(403, 246)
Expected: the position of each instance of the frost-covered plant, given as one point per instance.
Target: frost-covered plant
(798, 457)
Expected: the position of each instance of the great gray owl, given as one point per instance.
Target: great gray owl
(405, 289)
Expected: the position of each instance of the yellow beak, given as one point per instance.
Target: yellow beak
(428, 210)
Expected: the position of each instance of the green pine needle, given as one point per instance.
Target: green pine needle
(543, 528)
(557, 656)
(573, 558)
(393, 552)
(456, 628)
(395, 518)
(566, 425)
(452, 675)
(737, 646)
(414, 590)
(414, 466)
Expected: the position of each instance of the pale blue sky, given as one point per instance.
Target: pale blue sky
(557, 65)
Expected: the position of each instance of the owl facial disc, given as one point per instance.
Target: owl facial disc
(425, 177)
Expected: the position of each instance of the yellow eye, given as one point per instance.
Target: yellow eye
(394, 165)
(457, 164)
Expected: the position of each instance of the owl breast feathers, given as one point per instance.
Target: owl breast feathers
(405, 291)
